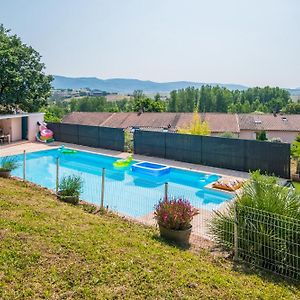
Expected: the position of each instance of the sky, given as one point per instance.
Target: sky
(250, 42)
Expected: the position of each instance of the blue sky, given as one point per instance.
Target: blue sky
(251, 42)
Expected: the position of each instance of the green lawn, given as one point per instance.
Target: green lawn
(53, 250)
(297, 186)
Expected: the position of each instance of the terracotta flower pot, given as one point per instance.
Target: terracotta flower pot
(5, 173)
(68, 199)
(180, 237)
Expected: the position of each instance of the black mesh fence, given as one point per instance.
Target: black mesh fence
(235, 154)
(92, 136)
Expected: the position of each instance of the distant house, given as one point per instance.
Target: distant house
(244, 126)
(285, 127)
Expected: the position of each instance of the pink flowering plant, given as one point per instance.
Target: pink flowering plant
(175, 213)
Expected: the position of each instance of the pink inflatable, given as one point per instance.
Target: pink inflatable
(44, 135)
(47, 133)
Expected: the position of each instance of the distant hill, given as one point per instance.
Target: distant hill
(122, 85)
(294, 92)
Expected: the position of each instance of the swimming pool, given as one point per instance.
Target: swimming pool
(126, 192)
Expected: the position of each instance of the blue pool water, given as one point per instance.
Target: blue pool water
(127, 192)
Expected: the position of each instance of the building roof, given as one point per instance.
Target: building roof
(218, 122)
(19, 115)
(86, 118)
(269, 122)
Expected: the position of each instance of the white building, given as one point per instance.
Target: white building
(17, 127)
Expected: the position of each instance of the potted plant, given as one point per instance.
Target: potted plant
(70, 188)
(8, 164)
(174, 217)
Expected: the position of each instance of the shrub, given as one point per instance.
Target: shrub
(70, 186)
(228, 135)
(261, 136)
(268, 222)
(9, 163)
(295, 152)
(175, 214)
(128, 141)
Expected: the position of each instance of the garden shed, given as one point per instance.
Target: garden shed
(17, 127)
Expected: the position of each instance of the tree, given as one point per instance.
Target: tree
(292, 108)
(220, 99)
(261, 136)
(196, 127)
(157, 97)
(23, 83)
(141, 103)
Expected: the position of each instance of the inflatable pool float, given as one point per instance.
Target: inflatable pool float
(120, 163)
(148, 168)
(44, 135)
(63, 150)
(42, 139)
(228, 184)
(68, 151)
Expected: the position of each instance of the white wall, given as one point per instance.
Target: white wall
(247, 135)
(285, 136)
(16, 129)
(33, 128)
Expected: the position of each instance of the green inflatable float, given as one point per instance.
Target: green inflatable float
(121, 163)
(63, 150)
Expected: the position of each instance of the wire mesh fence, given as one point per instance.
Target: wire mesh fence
(263, 239)
(269, 241)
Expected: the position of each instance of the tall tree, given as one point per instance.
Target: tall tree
(196, 126)
(23, 83)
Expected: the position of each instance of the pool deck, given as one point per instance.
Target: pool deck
(200, 222)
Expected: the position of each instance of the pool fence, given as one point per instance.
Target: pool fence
(228, 153)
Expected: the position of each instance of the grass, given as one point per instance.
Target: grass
(52, 250)
(297, 186)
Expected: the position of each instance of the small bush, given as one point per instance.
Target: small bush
(128, 141)
(70, 186)
(9, 163)
(261, 136)
(228, 135)
(295, 152)
(175, 214)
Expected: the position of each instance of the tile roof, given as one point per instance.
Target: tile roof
(86, 118)
(218, 122)
(269, 122)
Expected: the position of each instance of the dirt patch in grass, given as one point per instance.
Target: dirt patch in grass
(53, 250)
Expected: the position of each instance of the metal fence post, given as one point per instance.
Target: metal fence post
(166, 190)
(57, 174)
(24, 165)
(235, 233)
(102, 188)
